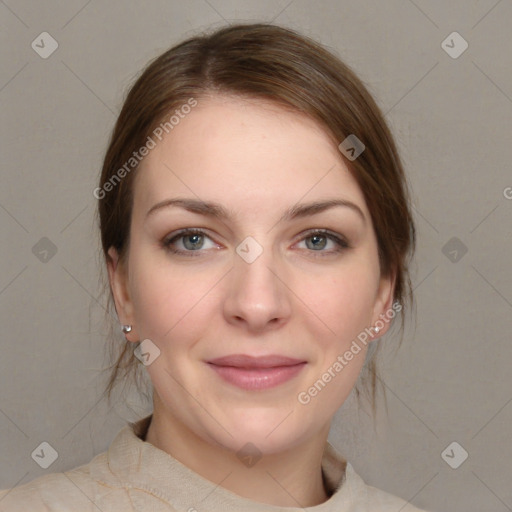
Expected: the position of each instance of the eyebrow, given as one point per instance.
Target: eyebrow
(217, 211)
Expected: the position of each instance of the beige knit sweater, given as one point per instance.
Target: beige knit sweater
(133, 475)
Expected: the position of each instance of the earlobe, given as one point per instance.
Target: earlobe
(118, 285)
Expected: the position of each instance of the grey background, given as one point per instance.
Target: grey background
(450, 380)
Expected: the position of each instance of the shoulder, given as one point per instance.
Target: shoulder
(372, 498)
(350, 488)
(71, 490)
(389, 502)
(109, 481)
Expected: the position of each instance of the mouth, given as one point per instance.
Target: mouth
(256, 373)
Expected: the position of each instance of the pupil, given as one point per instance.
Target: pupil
(195, 241)
(318, 241)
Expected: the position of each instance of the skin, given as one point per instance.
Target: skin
(298, 298)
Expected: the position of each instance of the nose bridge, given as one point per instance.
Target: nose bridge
(254, 266)
(256, 295)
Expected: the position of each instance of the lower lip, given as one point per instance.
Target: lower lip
(257, 378)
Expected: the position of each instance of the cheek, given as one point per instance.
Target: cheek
(344, 302)
(170, 304)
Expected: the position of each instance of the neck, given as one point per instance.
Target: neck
(292, 478)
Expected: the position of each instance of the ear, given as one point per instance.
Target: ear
(118, 279)
(381, 316)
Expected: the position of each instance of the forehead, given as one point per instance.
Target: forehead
(245, 152)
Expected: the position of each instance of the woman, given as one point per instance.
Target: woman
(256, 229)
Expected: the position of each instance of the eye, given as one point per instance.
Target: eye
(188, 241)
(194, 241)
(324, 242)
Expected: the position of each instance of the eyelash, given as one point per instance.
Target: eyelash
(341, 243)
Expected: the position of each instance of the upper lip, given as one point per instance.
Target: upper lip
(246, 361)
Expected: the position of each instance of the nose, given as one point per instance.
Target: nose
(257, 297)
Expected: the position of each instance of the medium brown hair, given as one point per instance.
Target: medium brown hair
(275, 64)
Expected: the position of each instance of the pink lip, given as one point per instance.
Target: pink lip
(254, 373)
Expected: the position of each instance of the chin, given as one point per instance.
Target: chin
(270, 431)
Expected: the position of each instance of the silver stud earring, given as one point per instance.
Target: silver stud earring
(126, 328)
(376, 329)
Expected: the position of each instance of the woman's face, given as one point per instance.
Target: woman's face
(254, 306)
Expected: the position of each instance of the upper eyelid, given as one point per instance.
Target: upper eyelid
(186, 231)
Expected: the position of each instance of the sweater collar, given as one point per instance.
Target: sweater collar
(135, 463)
